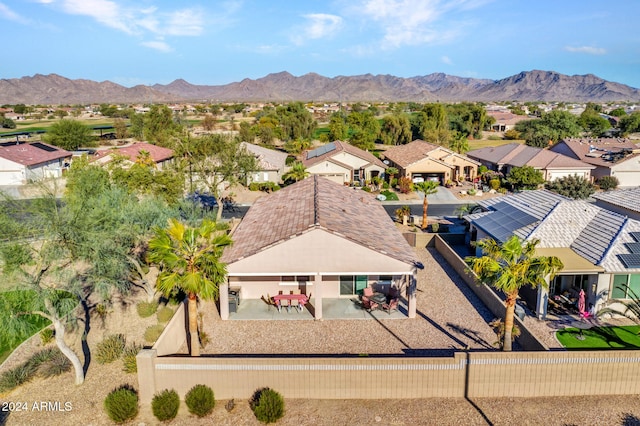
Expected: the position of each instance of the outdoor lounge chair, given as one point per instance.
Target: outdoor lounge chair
(391, 306)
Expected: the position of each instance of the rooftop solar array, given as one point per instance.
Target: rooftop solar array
(633, 247)
(44, 147)
(504, 222)
(321, 151)
(596, 238)
(635, 235)
(630, 260)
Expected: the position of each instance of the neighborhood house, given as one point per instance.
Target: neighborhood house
(21, 163)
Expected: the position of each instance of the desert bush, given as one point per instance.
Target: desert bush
(17, 376)
(608, 182)
(152, 333)
(200, 400)
(130, 364)
(263, 186)
(405, 185)
(56, 365)
(494, 184)
(435, 227)
(122, 404)
(110, 348)
(164, 314)
(146, 309)
(267, 405)
(472, 191)
(46, 335)
(165, 405)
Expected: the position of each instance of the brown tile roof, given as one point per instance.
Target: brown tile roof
(405, 155)
(591, 150)
(31, 154)
(318, 203)
(339, 147)
(158, 153)
(518, 155)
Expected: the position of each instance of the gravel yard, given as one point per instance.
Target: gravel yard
(449, 317)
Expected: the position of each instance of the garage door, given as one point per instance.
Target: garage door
(338, 178)
(628, 178)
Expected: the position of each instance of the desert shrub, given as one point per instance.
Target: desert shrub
(502, 190)
(263, 186)
(164, 314)
(435, 227)
(46, 335)
(494, 184)
(385, 185)
(110, 348)
(146, 309)
(482, 170)
(366, 189)
(405, 185)
(152, 333)
(165, 405)
(130, 364)
(56, 365)
(122, 404)
(393, 182)
(17, 376)
(472, 191)
(512, 134)
(608, 182)
(42, 356)
(200, 400)
(267, 405)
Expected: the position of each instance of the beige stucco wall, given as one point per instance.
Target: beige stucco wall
(318, 251)
(12, 173)
(427, 166)
(554, 174)
(331, 170)
(350, 160)
(265, 176)
(627, 172)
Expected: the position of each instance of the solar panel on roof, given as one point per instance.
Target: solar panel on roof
(635, 235)
(44, 147)
(631, 260)
(321, 150)
(503, 223)
(633, 247)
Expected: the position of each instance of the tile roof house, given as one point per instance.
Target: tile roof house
(420, 161)
(21, 163)
(506, 120)
(600, 249)
(342, 162)
(321, 238)
(271, 163)
(158, 154)
(616, 157)
(552, 164)
(624, 201)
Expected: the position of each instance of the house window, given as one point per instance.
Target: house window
(294, 280)
(350, 284)
(625, 286)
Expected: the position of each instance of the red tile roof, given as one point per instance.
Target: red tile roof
(318, 203)
(158, 153)
(31, 154)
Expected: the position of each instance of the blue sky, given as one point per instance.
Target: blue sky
(218, 42)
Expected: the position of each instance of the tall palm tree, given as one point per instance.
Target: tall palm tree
(297, 172)
(189, 260)
(428, 187)
(508, 267)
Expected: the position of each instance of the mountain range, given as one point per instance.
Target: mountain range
(533, 85)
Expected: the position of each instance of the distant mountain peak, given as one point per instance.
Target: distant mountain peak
(535, 85)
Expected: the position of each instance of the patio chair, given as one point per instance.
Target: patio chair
(269, 301)
(391, 306)
(284, 303)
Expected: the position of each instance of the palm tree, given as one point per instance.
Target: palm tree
(459, 142)
(508, 267)
(297, 172)
(428, 187)
(391, 172)
(189, 260)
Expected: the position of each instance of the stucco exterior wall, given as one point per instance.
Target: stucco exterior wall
(12, 173)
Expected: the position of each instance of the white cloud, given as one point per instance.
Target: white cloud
(317, 26)
(185, 23)
(104, 11)
(157, 45)
(591, 50)
(447, 60)
(7, 13)
(414, 22)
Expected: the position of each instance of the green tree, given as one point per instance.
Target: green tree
(159, 126)
(618, 112)
(189, 260)
(391, 172)
(69, 135)
(593, 123)
(630, 123)
(525, 177)
(427, 188)
(574, 186)
(459, 142)
(365, 129)
(120, 127)
(510, 266)
(338, 128)
(7, 123)
(431, 124)
(549, 128)
(396, 129)
(608, 182)
(296, 173)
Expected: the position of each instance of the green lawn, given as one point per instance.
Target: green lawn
(625, 337)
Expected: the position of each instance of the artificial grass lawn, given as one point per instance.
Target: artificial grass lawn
(625, 337)
(391, 196)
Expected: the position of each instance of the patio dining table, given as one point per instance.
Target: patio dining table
(301, 298)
